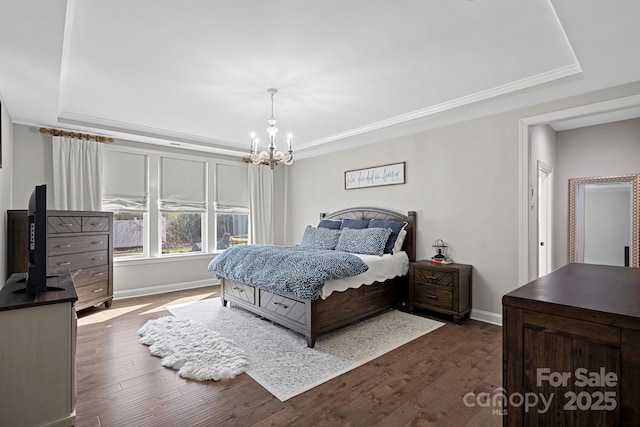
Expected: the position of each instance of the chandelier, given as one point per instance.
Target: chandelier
(273, 156)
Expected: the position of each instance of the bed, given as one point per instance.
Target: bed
(312, 317)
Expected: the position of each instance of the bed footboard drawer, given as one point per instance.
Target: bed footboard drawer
(245, 293)
(283, 307)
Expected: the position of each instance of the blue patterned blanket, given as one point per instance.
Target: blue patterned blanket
(291, 269)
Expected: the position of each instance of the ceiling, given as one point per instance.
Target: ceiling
(196, 72)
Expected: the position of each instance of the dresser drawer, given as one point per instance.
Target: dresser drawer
(95, 223)
(242, 292)
(64, 224)
(283, 307)
(73, 262)
(93, 291)
(75, 244)
(434, 277)
(87, 276)
(433, 295)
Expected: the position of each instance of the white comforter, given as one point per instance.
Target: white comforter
(380, 269)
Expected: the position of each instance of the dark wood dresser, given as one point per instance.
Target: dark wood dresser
(572, 337)
(78, 241)
(442, 288)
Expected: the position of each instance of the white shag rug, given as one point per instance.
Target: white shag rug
(279, 358)
(194, 350)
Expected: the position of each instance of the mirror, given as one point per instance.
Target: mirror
(603, 220)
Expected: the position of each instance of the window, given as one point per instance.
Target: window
(128, 233)
(181, 232)
(183, 202)
(125, 193)
(170, 204)
(232, 206)
(232, 229)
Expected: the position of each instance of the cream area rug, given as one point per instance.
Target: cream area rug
(194, 350)
(279, 359)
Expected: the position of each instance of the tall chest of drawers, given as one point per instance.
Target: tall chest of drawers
(79, 242)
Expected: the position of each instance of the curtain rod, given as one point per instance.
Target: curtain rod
(57, 132)
(248, 160)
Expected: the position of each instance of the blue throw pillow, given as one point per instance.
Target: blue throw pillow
(319, 238)
(368, 241)
(354, 223)
(329, 223)
(395, 226)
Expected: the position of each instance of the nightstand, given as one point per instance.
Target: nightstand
(442, 288)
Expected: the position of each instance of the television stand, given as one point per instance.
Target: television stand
(38, 353)
(49, 276)
(49, 289)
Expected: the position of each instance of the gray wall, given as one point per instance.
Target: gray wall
(463, 181)
(595, 151)
(33, 166)
(5, 184)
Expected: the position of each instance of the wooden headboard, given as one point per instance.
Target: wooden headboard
(368, 213)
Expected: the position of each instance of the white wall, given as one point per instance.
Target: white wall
(604, 150)
(6, 137)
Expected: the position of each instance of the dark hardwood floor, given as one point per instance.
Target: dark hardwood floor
(419, 384)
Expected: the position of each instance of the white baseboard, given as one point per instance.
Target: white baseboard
(486, 316)
(160, 289)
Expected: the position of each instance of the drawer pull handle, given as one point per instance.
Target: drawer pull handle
(98, 258)
(238, 289)
(62, 224)
(97, 274)
(95, 223)
(95, 291)
(281, 304)
(64, 263)
(98, 243)
(432, 278)
(68, 245)
(432, 296)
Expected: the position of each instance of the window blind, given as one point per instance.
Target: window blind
(182, 185)
(124, 184)
(232, 188)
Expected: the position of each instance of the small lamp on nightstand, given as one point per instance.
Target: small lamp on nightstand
(439, 247)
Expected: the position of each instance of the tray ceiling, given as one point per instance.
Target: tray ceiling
(196, 72)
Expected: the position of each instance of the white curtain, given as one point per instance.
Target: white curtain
(261, 204)
(77, 174)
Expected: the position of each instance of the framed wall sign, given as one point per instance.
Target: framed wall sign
(376, 176)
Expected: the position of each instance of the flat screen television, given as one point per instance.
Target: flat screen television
(37, 273)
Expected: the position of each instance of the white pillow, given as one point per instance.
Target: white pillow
(399, 241)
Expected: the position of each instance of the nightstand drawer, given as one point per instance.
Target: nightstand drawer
(433, 295)
(433, 277)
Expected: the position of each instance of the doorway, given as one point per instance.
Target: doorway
(544, 218)
(604, 108)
